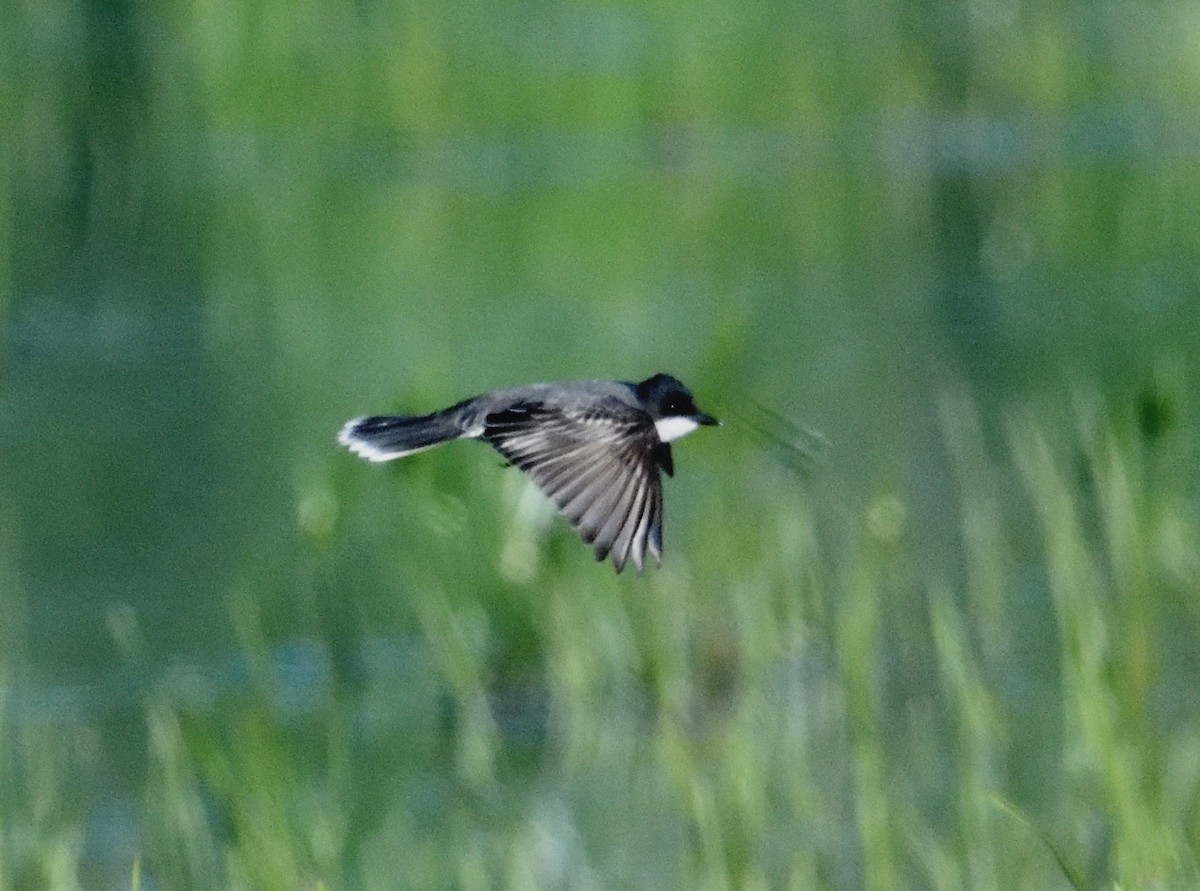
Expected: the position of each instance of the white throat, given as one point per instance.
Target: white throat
(673, 428)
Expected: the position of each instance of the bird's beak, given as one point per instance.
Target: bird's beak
(706, 420)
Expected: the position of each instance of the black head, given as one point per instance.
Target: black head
(665, 397)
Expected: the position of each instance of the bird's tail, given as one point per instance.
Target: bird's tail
(382, 438)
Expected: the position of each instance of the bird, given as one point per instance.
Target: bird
(594, 448)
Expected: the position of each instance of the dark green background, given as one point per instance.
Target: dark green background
(227, 228)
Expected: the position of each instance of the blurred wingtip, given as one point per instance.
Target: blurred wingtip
(801, 448)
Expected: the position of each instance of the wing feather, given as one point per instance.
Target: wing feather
(600, 469)
(614, 510)
(627, 543)
(578, 492)
(653, 533)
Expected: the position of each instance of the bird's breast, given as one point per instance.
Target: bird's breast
(673, 428)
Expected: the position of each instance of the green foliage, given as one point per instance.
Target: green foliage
(949, 643)
(720, 723)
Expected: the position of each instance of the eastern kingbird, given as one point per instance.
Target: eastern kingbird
(593, 447)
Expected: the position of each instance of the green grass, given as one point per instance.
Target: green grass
(773, 724)
(949, 642)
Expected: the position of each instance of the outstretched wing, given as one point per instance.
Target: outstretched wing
(600, 471)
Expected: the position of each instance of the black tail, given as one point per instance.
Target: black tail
(382, 438)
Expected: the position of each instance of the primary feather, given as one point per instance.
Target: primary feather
(599, 470)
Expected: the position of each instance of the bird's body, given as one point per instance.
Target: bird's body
(595, 448)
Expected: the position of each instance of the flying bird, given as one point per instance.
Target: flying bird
(594, 448)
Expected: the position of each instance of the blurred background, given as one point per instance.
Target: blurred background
(929, 605)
